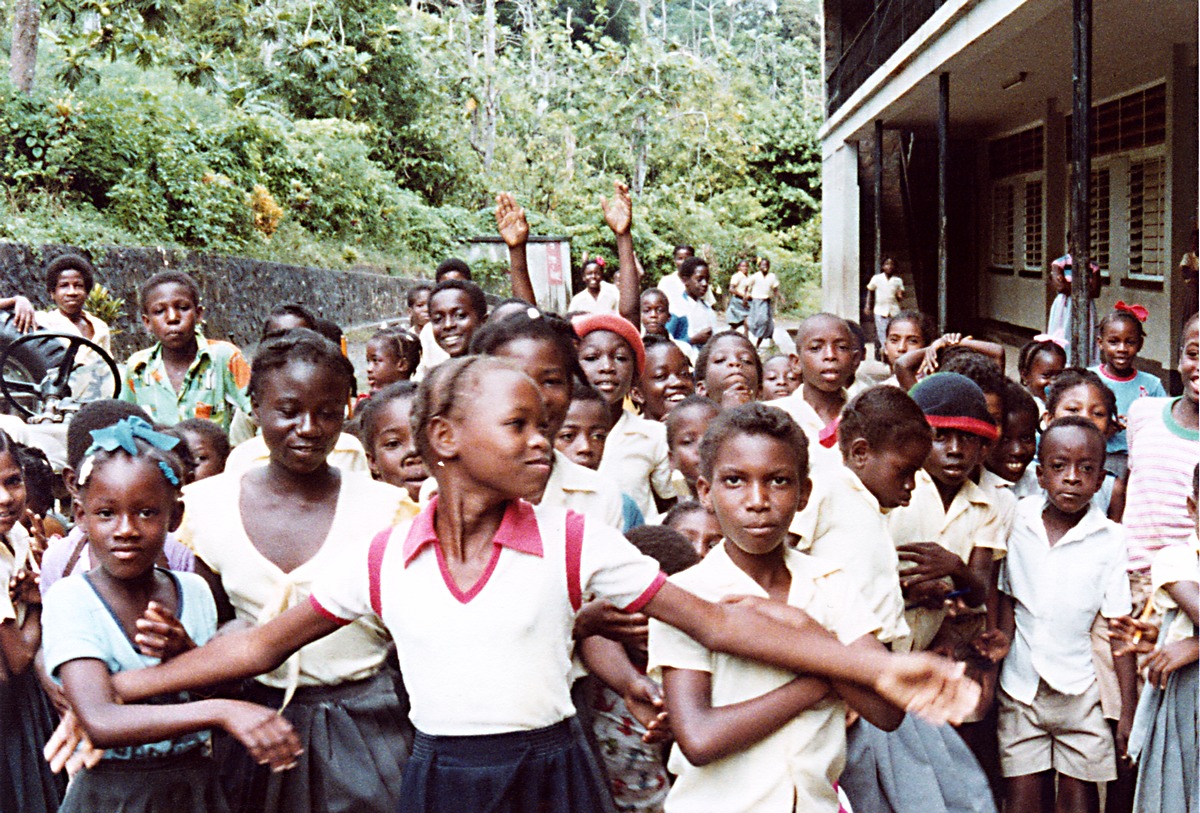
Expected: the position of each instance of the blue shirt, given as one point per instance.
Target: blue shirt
(1128, 390)
(78, 624)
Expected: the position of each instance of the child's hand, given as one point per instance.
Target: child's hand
(266, 734)
(160, 634)
(24, 587)
(993, 645)
(69, 747)
(929, 561)
(618, 212)
(510, 220)
(935, 689)
(1171, 658)
(37, 534)
(603, 619)
(928, 594)
(644, 699)
(1132, 635)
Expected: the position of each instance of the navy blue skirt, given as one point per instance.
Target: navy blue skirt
(547, 770)
(27, 719)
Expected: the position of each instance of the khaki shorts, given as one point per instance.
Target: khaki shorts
(1063, 732)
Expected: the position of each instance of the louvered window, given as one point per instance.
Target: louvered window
(1099, 216)
(1003, 217)
(1033, 226)
(1147, 218)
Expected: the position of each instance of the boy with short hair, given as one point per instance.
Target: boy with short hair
(1066, 562)
(184, 375)
(884, 440)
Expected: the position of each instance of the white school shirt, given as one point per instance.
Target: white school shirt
(1176, 563)
(1057, 592)
(973, 520)
(496, 657)
(636, 460)
(763, 286)
(700, 315)
(794, 768)
(820, 455)
(607, 301)
(886, 288)
(844, 524)
(672, 286)
(55, 321)
(432, 353)
(347, 455)
(259, 590)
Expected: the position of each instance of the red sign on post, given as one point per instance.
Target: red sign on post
(553, 265)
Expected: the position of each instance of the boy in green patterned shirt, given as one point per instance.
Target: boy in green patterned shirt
(184, 375)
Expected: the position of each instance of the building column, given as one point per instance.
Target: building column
(840, 256)
(1081, 172)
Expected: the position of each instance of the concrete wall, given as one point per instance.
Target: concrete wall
(237, 292)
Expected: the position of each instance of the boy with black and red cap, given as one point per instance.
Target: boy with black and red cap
(952, 533)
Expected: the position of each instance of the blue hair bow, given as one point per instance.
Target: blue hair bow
(123, 433)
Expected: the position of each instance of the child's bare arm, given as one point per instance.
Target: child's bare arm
(514, 228)
(930, 561)
(1116, 504)
(1187, 596)
(109, 723)
(1126, 668)
(932, 687)
(990, 349)
(234, 656)
(874, 709)
(609, 662)
(706, 733)
(618, 213)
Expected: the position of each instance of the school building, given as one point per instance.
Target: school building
(1002, 71)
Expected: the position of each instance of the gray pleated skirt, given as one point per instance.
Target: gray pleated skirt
(1164, 743)
(918, 768)
(737, 311)
(356, 739)
(760, 321)
(186, 783)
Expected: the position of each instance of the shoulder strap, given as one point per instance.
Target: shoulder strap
(75, 554)
(574, 537)
(374, 564)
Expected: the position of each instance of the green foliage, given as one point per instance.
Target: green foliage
(104, 306)
(382, 131)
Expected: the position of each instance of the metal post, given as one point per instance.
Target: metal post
(943, 137)
(1081, 173)
(878, 195)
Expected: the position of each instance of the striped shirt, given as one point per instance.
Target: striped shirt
(1162, 456)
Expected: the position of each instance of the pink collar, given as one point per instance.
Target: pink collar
(1132, 375)
(518, 530)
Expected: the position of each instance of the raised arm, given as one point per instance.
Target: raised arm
(234, 656)
(514, 228)
(618, 214)
(932, 687)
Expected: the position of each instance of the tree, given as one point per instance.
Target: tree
(22, 60)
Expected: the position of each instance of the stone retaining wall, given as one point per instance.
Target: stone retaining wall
(237, 292)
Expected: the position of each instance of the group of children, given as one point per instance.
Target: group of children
(591, 563)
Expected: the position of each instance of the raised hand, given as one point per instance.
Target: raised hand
(510, 220)
(24, 587)
(37, 534)
(160, 634)
(618, 212)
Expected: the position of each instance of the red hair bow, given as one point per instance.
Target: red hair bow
(599, 261)
(1138, 312)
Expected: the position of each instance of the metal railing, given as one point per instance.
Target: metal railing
(887, 27)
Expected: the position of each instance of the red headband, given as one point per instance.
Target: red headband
(616, 324)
